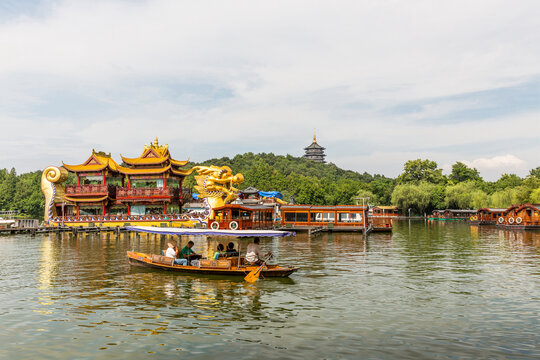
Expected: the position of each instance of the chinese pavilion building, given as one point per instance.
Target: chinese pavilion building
(314, 151)
(148, 187)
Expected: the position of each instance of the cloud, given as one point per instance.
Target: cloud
(382, 82)
(503, 162)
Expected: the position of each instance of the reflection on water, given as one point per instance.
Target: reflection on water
(427, 290)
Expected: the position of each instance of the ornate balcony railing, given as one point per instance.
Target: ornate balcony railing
(146, 192)
(91, 189)
(120, 218)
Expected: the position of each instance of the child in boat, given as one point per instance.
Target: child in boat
(231, 251)
(172, 251)
(219, 253)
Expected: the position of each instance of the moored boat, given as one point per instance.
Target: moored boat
(520, 217)
(486, 216)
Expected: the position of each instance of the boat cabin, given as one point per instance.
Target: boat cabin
(487, 216)
(242, 217)
(526, 216)
(453, 214)
(386, 211)
(329, 216)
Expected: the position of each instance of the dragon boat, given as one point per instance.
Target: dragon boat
(233, 266)
(146, 190)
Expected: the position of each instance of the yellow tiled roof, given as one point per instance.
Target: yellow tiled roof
(129, 171)
(181, 172)
(96, 162)
(178, 163)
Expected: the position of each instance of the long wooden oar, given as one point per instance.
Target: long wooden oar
(255, 273)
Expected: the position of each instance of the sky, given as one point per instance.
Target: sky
(381, 82)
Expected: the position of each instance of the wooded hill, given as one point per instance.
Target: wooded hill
(421, 186)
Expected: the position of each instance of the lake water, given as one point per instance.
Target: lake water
(428, 290)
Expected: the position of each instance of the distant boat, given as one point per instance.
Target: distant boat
(4, 223)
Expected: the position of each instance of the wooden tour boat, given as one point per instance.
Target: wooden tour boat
(452, 214)
(229, 267)
(522, 217)
(233, 266)
(242, 217)
(486, 216)
(334, 218)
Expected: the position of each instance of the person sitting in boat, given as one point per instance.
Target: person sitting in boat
(254, 254)
(188, 254)
(220, 252)
(172, 251)
(231, 251)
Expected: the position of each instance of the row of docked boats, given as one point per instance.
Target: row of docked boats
(522, 217)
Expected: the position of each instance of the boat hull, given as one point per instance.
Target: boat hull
(145, 260)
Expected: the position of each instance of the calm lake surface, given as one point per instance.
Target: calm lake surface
(428, 290)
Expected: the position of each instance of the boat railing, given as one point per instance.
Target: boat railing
(88, 189)
(119, 218)
(145, 192)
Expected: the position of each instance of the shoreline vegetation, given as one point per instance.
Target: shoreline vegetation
(421, 186)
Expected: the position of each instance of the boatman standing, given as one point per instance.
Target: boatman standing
(254, 254)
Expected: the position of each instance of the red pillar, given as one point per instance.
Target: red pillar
(164, 182)
(104, 179)
(165, 208)
(78, 181)
(77, 210)
(103, 208)
(129, 183)
(129, 209)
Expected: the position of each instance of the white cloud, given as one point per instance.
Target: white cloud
(507, 161)
(287, 67)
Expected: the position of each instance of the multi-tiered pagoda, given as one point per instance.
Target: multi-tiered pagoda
(148, 187)
(314, 151)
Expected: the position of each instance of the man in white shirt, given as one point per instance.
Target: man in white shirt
(172, 251)
(254, 253)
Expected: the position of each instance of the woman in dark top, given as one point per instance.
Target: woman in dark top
(231, 251)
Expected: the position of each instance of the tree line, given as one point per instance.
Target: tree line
(420, 187)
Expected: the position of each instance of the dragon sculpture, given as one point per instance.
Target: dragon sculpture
(53, 189)
(216, 186)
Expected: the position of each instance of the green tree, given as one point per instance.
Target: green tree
(420, 197)
(503, 198)
(382, 188)
(535, 172)
(7, 189)
(465, 195)
(508, 181)
(367, 195)
(461, 173)
(535, 196)
(419, 170)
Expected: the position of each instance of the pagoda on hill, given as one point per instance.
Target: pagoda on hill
(314, 151)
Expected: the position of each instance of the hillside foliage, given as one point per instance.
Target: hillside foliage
(420, 187)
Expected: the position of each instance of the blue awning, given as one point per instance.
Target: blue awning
(271, 194)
